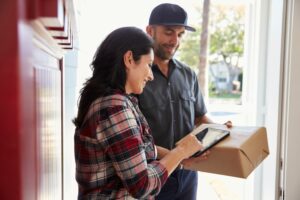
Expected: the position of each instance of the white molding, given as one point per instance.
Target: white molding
(273, 93)
(290, 106)
(43, 40)
(263, 80)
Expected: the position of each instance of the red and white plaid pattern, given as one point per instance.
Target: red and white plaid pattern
(114, 152)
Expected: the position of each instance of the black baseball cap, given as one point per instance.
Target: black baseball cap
(169, 15)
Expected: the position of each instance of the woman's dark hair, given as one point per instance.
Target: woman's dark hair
(108, 66)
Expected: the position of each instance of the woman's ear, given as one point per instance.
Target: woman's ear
(128, 59)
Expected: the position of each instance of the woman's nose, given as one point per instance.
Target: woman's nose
(150, 75)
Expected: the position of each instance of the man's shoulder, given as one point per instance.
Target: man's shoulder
(183, 66)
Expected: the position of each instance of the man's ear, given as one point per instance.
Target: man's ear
(128, 59)
(149, 30)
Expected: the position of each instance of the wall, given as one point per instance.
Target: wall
(290, 105)
(70, 111)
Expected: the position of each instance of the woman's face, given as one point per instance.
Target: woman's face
(139, 73)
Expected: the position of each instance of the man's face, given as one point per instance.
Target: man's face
(167, 40)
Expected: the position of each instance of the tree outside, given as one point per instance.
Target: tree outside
(225, 51)
(204, 37)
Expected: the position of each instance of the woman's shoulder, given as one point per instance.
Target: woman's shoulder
(112, 100)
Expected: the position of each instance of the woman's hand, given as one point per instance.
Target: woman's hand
(161, 152)
(188, 145)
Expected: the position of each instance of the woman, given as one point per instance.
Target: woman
(114, 150)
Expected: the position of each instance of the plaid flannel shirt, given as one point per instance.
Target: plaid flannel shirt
(114, 152)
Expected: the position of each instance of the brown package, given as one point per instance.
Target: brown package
(238, 154)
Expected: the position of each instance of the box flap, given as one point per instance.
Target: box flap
(256, 148)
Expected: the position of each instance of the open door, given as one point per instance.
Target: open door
(35, 35)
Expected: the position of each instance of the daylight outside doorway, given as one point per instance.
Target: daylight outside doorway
(223, 81)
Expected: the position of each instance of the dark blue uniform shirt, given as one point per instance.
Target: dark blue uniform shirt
(170, 104)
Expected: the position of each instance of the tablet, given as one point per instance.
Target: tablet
(210, 137)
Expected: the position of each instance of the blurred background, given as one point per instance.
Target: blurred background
(245, 53)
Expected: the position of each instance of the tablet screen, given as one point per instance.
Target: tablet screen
(210, 137)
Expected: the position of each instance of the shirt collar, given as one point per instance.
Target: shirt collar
(131, 97)
(175, 63)
(172, 63)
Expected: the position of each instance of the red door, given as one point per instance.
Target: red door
(34, 34)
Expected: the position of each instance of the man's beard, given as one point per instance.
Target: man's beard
(161, 53)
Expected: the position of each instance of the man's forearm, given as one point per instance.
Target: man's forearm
(203, 120)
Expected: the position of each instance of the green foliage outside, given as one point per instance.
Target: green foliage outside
(224, 95)
(227, 35)
(190, 48)
(226, 43)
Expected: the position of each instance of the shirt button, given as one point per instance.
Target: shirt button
(169, 84)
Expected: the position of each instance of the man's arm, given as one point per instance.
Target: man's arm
(203, 120)
(206, 120)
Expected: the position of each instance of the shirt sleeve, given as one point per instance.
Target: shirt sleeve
(200, 108)
(126, 149)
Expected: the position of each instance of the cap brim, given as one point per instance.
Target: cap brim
(189, 28)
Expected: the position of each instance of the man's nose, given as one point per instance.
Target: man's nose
(175, 40)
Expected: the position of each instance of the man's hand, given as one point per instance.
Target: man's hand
(228, 124)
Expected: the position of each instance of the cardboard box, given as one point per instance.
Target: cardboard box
(238, 154)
